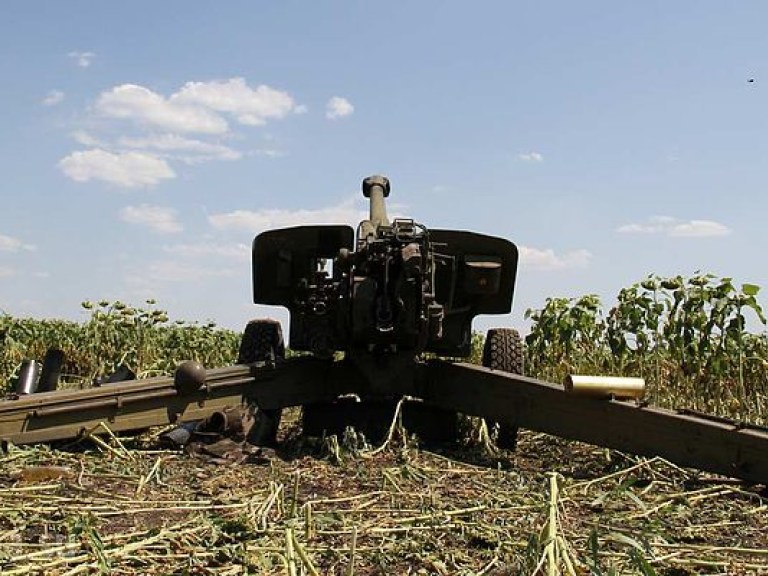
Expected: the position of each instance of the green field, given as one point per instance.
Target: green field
(687, 337)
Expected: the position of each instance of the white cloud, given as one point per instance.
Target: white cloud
(654, 225)
(175, 271)
(198, 106)
(669, 226)
(238, 252)
(158, 218)
(54, 97)
(10, 244)
(171, 146)
(86, 139)
(145, 107)
(250, 106)
(6, 272)
(197, 150)
(199, 265)
(129, 170)
(82, 59)
(191, 125)
(700, 228)
(338, 107)
(530, 157)
(546, 259)
(346, 212)
(268, 152)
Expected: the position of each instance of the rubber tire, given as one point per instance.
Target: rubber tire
(262, 341)
(504, 350)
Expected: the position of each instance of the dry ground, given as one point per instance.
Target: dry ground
(325, 507)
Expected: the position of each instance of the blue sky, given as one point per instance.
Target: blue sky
(145, 144)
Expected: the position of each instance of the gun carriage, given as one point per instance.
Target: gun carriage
(375, 313)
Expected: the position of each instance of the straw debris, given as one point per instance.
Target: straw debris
(551, 507)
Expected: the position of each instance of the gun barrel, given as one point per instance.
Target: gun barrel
(376, 188)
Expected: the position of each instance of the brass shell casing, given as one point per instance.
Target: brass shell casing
(604, 386)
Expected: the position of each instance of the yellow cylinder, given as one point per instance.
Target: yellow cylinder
(604, 386)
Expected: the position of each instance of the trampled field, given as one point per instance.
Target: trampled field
(552, 507)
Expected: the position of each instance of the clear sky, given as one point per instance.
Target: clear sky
(144, 144)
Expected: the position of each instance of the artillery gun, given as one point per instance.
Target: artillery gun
(383, 296)
(376, 314)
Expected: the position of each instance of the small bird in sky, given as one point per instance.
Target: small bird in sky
(751, 80)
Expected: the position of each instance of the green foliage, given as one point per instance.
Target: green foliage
(567, 335)
(686, 337)
(141, 338)
(478, 341)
